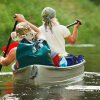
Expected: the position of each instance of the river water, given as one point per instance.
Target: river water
(86, 89)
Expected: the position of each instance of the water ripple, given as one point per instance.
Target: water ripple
(81, 45)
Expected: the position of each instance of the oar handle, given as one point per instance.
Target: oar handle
(77, 21)
(9, 41)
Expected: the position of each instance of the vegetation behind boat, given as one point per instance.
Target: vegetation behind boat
(68, 12)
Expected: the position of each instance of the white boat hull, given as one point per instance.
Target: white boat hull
(40, 74)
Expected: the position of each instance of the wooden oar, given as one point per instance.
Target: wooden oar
(77, 21)
(9, 41)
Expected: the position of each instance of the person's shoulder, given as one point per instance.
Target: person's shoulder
(62, 26)
(13, 49)
(65, 30)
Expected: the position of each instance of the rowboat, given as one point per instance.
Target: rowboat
(40, 74)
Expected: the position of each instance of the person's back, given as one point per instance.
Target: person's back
(55, 38)
(53, 31)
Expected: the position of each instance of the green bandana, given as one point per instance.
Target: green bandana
(47, 14)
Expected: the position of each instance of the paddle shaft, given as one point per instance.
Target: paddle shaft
(74, 23)
(9, 41)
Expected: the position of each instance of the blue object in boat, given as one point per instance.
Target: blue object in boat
(80, 58)
(63, 62)
(71, 59)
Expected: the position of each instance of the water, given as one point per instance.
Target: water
(86, 89)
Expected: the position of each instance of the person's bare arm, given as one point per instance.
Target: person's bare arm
(5, 61)
(21, 18)
(72, 38)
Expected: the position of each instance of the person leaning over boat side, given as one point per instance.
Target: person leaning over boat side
(55, 33)
(23, 31)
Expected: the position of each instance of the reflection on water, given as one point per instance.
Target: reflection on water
(92, 78)
(87, 89)
(81, 45)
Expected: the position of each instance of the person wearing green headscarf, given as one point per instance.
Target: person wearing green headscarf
(55, 33)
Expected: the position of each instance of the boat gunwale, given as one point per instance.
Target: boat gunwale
(54, 67)
(68, 67)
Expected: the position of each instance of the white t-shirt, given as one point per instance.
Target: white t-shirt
(56, 39)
